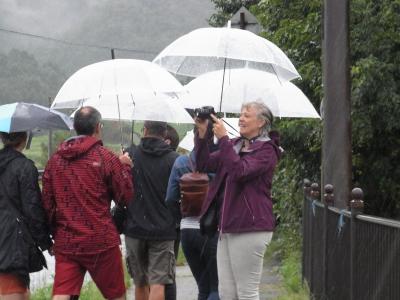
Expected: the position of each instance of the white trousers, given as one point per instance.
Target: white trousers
(240, 262)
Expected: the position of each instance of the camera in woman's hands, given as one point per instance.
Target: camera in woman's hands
(204, 113)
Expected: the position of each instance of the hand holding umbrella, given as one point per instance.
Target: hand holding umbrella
(125, 159)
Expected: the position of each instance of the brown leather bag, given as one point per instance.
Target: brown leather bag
(194, 188)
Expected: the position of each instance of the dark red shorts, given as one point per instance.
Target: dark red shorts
(11, 284)
(105, 268)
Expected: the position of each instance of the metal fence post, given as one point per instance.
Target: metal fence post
(356, 207)
(328, 201)
(306, 227)
(315, 193)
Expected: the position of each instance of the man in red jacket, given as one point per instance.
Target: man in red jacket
(79, 182)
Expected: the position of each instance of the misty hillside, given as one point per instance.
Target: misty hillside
(145, 26)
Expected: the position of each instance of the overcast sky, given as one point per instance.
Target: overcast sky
(44, 16)
(127, 22)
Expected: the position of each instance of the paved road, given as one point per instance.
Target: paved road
(270, 287)
(186, 285)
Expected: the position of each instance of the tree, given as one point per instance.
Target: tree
(375, 45)
(295, 26)
(22, 78)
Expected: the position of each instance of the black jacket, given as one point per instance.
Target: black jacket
(148, 215)
(19, 181)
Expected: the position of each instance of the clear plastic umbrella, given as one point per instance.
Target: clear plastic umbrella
(114, 77)
(210, 49)
(109, 80)
(242, 85)
(144, 106)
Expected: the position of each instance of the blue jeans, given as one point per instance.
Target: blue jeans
(200, 253)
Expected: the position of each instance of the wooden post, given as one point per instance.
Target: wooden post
(357, 202)
(306, 226)
(336, 140)
(315, 191)
(328, 195)
(307, 188)
(356, 207)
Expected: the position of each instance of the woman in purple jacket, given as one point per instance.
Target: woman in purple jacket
(242, 188)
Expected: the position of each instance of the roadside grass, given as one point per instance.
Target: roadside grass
(42, 293)
(291, 273)
(181, 258)
(285, 247)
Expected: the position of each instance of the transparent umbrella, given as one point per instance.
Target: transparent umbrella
(108, 81)
(242, 85)
(143, 106)
(210, 49)
(114, 77)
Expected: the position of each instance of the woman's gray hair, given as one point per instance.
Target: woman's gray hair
(263, 113)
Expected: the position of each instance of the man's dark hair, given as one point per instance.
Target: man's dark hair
(173, 137)
(86, 119)
(155, 128)
(13, 139)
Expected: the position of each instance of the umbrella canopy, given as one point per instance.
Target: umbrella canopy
(145, 106)
(209, 49)
(22, 116)
(114, 77)
(187, 142)
(242, 85)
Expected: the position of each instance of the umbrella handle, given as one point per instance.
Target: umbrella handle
(29, 141)
(120, 124)
(222, 87)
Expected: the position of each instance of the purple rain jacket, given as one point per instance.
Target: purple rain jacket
(246, 203)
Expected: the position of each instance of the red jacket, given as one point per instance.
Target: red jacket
(79, 182)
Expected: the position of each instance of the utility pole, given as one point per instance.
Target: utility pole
(336, 142)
